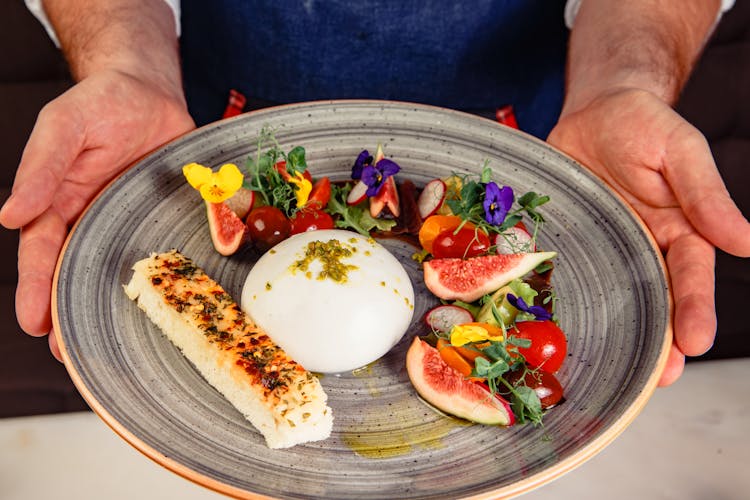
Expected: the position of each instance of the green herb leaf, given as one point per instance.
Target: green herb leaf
(543, 267)
(498, 369)
(526, 405)
(295, 160)
(519, 342)
(509, 222)
(481, 368)
(496, 351)
(486, 176)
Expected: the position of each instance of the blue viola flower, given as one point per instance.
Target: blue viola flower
(539, 312)
(497, 203)
(363, 159)
(375, 175)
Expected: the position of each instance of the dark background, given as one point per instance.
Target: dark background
(32, 72)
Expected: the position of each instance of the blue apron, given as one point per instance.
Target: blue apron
(474, 56)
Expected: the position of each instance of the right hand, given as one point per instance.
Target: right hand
(81, 141)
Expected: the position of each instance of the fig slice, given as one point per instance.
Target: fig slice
(449, 391)
(387, 197)
(470, 279)
(227, 230)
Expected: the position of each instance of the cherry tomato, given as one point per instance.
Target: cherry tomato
(310, 220)
(434, 225)
(546, 385)
(267, 226)
(320, 194)
(467, 242)
(548, 344)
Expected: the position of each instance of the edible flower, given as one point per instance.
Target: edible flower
(214, 187)
(304, 187)
(375, 175)
(539, 312)
(363, 159)
(497, 202)
(465, 334)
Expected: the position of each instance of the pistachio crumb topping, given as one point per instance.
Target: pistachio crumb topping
(330, 255)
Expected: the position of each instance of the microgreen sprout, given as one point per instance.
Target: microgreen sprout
(268, 169)
(498, 359)
(490, 207)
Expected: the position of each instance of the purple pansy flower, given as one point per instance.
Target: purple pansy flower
(538, 311)
(375, 175)
(363, 159)
(497, 202)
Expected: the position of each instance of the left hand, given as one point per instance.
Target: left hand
(663, 167)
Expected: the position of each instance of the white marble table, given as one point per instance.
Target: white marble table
(691, 442)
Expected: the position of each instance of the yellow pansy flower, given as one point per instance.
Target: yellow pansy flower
(465, 334)
(214, 187)
(304, 187)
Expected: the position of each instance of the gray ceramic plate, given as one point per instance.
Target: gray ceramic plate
(614, 306)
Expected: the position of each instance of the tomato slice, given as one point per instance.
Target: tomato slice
(467, 242)
(548, 344)
(320, 194)
(434, 225)
(267, 226)
(310, 220)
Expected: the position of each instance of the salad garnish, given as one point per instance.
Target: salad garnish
(496, 323)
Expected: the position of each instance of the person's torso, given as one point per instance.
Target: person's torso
(473, 56)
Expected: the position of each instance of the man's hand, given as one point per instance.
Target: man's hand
(81, 141)
(663, 166)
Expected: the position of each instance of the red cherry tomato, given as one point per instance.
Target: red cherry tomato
(546, 385)
(267, 226)
(320, 194)
(310, 220)
(548, 344)
(434, 225)
(467, 242)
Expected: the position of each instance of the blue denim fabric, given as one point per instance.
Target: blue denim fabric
(473, 55)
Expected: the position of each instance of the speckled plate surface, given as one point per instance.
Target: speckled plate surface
(614, 305)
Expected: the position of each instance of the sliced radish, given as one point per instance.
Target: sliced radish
(514, 240)
(358, 194)
(431, 198)
(443, 318)
(241, 202)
